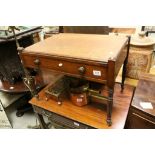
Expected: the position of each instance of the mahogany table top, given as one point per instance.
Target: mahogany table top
(81, 46)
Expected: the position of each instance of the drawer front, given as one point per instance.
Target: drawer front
(42, 111)
(90, 72)
(140, 120)
(67, 123)
(60, 121)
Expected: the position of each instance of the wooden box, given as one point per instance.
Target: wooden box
(142, 111)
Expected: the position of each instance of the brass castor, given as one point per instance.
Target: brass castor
(109, 122)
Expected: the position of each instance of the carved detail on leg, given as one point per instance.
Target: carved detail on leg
(109, 108)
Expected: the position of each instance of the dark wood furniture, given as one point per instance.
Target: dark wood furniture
(78, 29)
(11, 69)
(141, 117)
(85, 29)
(92, 115)
(19, 87)
(96, 58)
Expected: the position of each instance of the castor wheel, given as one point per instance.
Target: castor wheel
(19, 113)
(109, 122)
(122, 88)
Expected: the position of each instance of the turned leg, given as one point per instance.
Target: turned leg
(123, 74)
(40, 119)
(125, 65)
(109, 107)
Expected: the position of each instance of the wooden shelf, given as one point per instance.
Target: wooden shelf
(93, 114)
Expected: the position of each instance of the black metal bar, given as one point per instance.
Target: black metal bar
(143, 28)
(125, 65)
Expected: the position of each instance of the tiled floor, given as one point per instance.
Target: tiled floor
(26, 121)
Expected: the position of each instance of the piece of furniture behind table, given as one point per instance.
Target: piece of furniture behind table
(140, 56)
(77, 29)
(150, 30)
(96, 58)
(85, 29)
(122, 30)
(142, 110)
(11, 70)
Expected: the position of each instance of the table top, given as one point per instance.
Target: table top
(92, 114)
(19, 87)
(144, 98)
(81, 46)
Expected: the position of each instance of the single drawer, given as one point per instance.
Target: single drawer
(67, 123)
(91, 72)
(42, 111)
(140, 120)
(60, 121)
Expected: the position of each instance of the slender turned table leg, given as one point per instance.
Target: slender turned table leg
(40, 119)
(125, 65)
(110, 84)
(123, 74)
(109, 107)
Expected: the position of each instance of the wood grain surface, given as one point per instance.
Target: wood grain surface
(145, 92)
(81, 46)
(93, 114)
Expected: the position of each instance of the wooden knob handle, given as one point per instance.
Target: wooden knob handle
(36, 61)
(82, 70)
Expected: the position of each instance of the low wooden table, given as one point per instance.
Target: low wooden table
(96, 58)
(92, 114)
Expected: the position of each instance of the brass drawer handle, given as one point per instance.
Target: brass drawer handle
(82, 70)
(36, 61)
(60, 64)
(143, 118)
